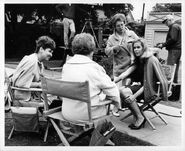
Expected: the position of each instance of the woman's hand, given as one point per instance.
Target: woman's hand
(116, 49)
(130, 99)
(160, 45)
(117, 79)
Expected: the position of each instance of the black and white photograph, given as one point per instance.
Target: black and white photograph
(104, 75)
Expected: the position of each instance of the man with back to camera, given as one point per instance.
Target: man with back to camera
(173, 43)
(68, 13)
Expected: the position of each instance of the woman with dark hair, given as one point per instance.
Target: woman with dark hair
(27, 73)
(147, 72)
(119, 45)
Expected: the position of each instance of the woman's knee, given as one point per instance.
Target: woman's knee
(125, 92)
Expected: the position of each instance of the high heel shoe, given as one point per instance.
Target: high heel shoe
(138, 127)
(130, 125)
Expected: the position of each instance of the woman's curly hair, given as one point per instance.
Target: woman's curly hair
(83, 44)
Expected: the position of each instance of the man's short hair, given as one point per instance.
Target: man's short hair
(83, 44)
(167, 17)
(45, 42)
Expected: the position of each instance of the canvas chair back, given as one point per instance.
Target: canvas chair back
(78, 91)
(25, 119)
(9, 84)
(8, 94)
(8, 80)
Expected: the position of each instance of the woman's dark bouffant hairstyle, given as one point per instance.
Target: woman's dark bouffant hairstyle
(83, 44)
(118, 17)
(45, 42)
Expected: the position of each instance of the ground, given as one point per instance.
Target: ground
(176, 104)
(36, 139)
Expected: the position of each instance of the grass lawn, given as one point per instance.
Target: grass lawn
(36, 139)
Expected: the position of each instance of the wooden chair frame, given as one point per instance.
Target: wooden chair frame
(78, 91)
(150, 106)
(11, 92)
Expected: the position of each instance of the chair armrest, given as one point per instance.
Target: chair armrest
(160, 82)
(55, 68)
(63, 47)
(25, 89)
(175, 84)
(103, 103)
(169, 93)
(24, 110)
(51, 111)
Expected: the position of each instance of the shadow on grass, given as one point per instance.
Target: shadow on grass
(36, 139)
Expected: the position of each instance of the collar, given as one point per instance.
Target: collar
(171, 25)
(79, 59)
(116, 36)
(36, 57)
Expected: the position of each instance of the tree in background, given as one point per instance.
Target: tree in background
(167, 7)
(89, 11)
(112, 9)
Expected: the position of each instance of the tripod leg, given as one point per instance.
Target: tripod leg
(94, 35)
(84, 27)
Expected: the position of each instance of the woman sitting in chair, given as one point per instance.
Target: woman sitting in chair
(147, 72)
(27, 73)
(82, 68)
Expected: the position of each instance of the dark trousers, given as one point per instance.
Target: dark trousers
(174, 56)
(55, 103)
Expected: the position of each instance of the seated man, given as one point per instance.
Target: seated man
(27, 73)
(82, 68)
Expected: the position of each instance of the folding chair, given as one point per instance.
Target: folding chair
(169, 73)
(79, 91)
(7, 99)
(25, 119)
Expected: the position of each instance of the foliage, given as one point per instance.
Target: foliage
(111, 9)
(167, 7)
(104, 61)
(89, 11)
(138, 28)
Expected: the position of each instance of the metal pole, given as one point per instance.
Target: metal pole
(142, 18)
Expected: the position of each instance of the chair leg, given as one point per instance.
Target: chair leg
(149, 122)
(62, 137)
(81, 135)
(11, 133)
(109, 142)
(129, 114)
(158, 115)
(46, 132)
